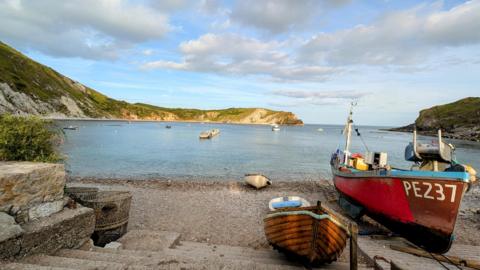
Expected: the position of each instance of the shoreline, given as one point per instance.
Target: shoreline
(461, 135)
(162, 121)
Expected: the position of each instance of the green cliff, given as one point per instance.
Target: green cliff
(458, 120)
(28, 87)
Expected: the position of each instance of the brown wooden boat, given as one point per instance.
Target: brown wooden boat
(313, 234)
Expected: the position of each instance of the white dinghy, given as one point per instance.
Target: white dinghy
(257, 180)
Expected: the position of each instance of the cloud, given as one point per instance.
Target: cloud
(398, 38)
(302, 97)
(234, 54)
(278, 16)
(94, 29)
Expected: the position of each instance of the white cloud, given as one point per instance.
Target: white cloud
(302, 97)
(95, 29)
(278, 16)
(238, 55)
(398, 38)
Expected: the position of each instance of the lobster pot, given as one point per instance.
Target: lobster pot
(81, 193)
(111, 208)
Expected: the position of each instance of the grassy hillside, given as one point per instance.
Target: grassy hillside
(459, 119)
(37, 89)
(461, 113)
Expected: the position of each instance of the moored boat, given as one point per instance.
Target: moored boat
(312, 234)
(71, 128)
(257, 180)
(420, 204)
(275, 127)
(209, 134)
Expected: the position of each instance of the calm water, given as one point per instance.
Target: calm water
(148, 150)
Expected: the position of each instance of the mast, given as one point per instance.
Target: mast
(348, 128)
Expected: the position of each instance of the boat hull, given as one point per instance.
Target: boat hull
(306, 234)
(423, 210)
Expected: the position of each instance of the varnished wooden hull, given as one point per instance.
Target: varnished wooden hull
(310, 233)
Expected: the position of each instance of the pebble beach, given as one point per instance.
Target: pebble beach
(230, 212)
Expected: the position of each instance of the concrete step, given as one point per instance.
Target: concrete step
(25, 266)
(125, 259)
(198, 254)
(80, 264)
(172, 256)
(149, 240)
(228, 250)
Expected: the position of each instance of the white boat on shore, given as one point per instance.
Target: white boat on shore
(257, 180)
(209, 134)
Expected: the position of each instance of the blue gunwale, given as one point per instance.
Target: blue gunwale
(455, 176)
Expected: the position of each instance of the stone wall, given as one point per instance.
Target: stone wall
(69, 228)
(30, 190)
(33, 216)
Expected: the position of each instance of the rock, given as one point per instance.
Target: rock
(45, 209)
(114, 245)
(69, 228)
(6, 219)
(25, 184)
(8, 227)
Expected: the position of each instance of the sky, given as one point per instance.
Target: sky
(310, 57)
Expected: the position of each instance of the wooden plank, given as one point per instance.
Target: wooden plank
(353, 246)
(443, 258)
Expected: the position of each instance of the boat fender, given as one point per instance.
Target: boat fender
(472, 172)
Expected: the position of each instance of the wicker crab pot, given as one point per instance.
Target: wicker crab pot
(111, 212)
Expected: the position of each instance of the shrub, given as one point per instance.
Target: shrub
(28, 139)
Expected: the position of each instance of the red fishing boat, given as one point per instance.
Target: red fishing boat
(420, 204)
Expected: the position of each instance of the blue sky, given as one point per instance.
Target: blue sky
(305, 56)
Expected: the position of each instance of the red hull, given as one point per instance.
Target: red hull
(416, 208)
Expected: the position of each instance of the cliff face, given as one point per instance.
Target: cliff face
(27, 87)
(458, 120)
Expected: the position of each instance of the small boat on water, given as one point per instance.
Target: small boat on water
(71, 128)
(168, 126)
(320, 129)
(421, 203)
(257, 180)
(313, 234)
(275, 127)
(209, 134)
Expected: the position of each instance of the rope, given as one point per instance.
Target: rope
(435, 258)
(361, 138)
(440, 262)
(450, 261)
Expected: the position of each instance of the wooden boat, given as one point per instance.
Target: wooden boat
(257, 180)
(311, 234)
(420, 204)
(209, 134)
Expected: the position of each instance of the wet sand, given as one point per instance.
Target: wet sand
(231, 213)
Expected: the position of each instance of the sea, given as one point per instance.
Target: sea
(149, 150)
